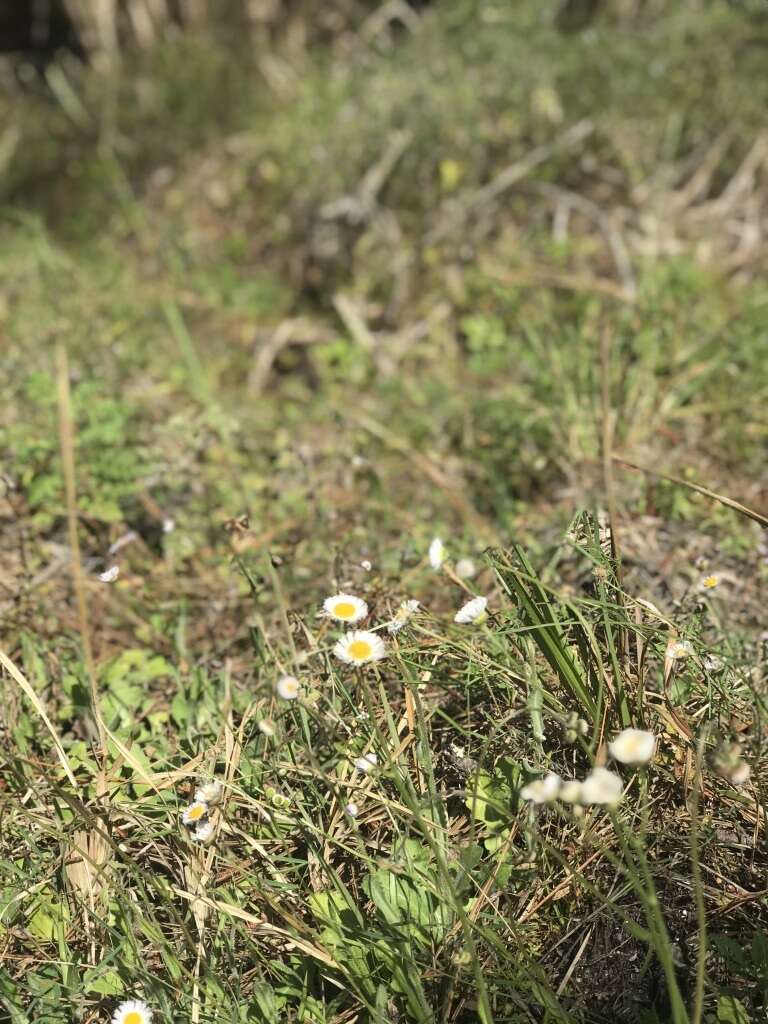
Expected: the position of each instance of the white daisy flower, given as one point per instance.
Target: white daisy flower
(352, 809)
(345, 608)
(266, 726)
(542, 791)
(110, 574)
(633, 746)
(366, 763)
(570, 792)
(677, 649)
(359, 647)
(288, 687)
(196, 812)
(210, 793)
(601, 786)
(203, 833)
(471, 611)
(134, 1011)
(436, 553)
(406, 610)
(466, 569)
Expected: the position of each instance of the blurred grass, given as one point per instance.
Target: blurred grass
(438, 371)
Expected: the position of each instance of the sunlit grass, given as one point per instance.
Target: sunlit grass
(348, 568)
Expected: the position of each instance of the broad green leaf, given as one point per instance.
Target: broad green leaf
(731, 1011)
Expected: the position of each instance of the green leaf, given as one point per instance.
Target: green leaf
(730, 951)
(106, 983)
(731, 1011)
(760, 952)
(492, 798)
(410, 903)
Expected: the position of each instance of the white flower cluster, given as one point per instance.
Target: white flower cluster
(601, 786)
(196, 815)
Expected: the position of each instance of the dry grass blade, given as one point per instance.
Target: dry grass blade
(66, 439)
(84, 867)
(260, 926)
(722, 498)
(26, 688)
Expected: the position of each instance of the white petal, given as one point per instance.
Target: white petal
(132, 1006)
(287, 687)
(601, 786)
(677, 649)
(192, 815)
(110, 574)
(402, 616)
(203, 832)
(366, 763)
(345, 608)
(360, 647)
(466, 569)
(471, 611)
(570, 792)
(542, 791)
(436, 553)
(633, 746)
(210, 793)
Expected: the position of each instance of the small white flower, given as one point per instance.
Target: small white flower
(677, 649)
(601, 786)
(360, 647)
(466, 569)
(471, 611)
(203, 833)
(110, 574)
(196, 812)
(542, 791)
(352, 809)
(266, 726)
(345, 608)
(366, 763)
(210, 793)
(169, 525)
(403, 614)
(570, 792)
(134, 1011)
(288, 687)
(436, 554)
(365, 564)
(633, 746)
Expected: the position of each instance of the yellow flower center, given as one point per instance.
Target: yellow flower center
(134, 1018)
(194, 814)
(710, 581)
(360, 650)
(344, 610)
